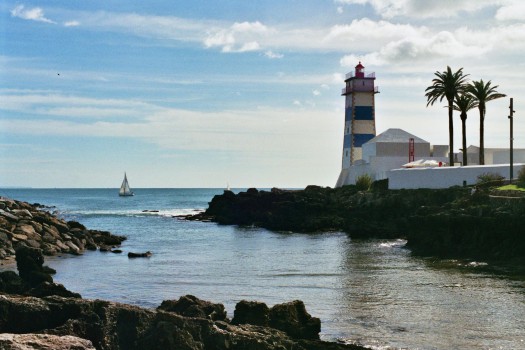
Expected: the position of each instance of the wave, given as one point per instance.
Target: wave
(132, 212)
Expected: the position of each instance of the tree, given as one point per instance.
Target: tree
(463, 103)
(447, 85)
(482, 93)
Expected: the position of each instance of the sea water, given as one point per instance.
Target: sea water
(368, 292)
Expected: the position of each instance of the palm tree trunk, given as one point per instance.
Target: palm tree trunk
(481, 135)
(450, 133)
(464, 137)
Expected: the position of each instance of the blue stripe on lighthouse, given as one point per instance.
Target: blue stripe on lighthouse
(348, 114)
(360, 139)
(347, 143)
(364, 113)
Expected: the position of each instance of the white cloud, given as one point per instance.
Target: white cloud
(423, 9)
(59, 105)
(437, 46)
(239, 37)
(71, 24)
(273, 55)
(316, 92)
(512, 11)
(33, 14)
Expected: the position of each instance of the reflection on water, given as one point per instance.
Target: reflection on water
(393, 300)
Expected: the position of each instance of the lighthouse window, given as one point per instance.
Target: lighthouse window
(346, 153)
(363, 83)
(347, 130)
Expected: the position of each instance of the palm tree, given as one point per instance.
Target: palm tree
(482, 93)
(463, 103)
(447, 85)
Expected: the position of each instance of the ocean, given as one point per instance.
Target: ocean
(368, 292)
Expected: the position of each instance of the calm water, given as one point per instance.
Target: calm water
(365, 292)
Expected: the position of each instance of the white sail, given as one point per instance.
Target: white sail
(124, 188)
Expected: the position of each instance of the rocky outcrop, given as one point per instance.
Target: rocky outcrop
(251, 312)
(454, 222)
(34, 278)
(24, 224)
(192, 306)
(114, 326)
(43, 342)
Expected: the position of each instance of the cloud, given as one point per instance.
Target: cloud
(437, 46)
(423, 9)
(316, 92)
(239, 37)
(71, 24)
(273, 55)
(60, 105)
(513, 11)
(33, 14)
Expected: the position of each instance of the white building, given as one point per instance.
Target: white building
(384, 156)
(390, 150)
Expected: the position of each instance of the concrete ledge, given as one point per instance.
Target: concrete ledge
(445, 177)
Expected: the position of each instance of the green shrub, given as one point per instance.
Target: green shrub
(521, 177)
(490, 179)
(363, 182)
(380, 185)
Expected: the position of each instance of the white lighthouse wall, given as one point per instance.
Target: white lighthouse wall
(363, 99)
(364, 127)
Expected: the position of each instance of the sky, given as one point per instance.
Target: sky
(246, 93)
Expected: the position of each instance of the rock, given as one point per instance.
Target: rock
(139, 255)
(116, 251)
(11, 283)
(47, 289)
(73, 249)
(22, 213)
(251, 312)
(29, 262)
(115, 326)
(293, 319)
(75, 225)
(63, 247)
(8, 215)
(34, 244)
(24, 224)
(191, 306)
(10, 341)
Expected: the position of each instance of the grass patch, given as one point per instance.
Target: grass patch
(511, 187)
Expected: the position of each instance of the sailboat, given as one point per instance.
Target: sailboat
(125, 191)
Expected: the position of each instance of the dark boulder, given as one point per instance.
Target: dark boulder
(293, 319)
(29, 262)
(139, 255)
(46, 289)
(251, 312)
(11, 283)
(191, 306)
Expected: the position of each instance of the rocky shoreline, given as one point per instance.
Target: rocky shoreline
(473, 223)
(37, 313)
(29, 225)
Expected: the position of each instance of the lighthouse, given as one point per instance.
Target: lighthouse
(360, 125)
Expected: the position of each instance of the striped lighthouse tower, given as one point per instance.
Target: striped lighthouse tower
(360, 124)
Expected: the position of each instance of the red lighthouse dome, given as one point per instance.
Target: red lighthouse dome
(359, 70)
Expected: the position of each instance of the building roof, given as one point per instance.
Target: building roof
(395, 136)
